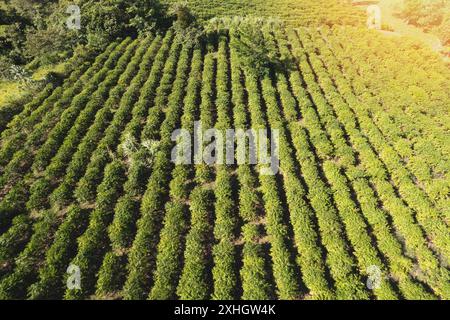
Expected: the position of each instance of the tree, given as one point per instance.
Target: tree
(184, 17)
(188, 31)
(118, 18)
(430, 15)
(255, 53)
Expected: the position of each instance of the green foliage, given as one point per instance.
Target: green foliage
(295, 13)
(51, 283)
(15, 284)
(117, 18)
(86, 176)
(256, 285)
(141, 258)
(13, 241)
(255, 54)
(184, 17)
(193, 284)
(90, 244)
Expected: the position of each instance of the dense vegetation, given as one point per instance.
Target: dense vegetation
(36, 32)
(86, 177)
(293, 12)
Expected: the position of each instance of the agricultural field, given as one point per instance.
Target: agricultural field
(359, 207)
(293, 12)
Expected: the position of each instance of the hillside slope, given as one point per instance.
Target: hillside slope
(294, 12)
(361, 196)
